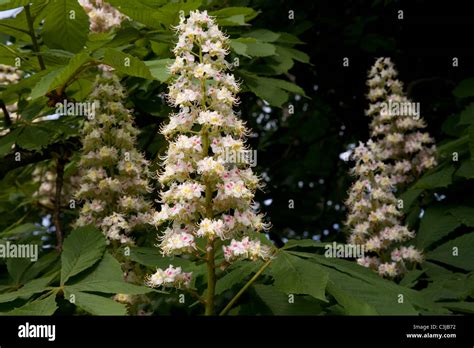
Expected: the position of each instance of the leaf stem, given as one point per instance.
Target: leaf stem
(33, 36)
(245, 287)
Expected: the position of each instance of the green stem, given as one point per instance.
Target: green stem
(210, 247)
(211, 281)
(245, 287)
(33, 37)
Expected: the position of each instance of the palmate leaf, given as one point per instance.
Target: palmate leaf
(360, 291)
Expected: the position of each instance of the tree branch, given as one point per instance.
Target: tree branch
(6, 115)
(60, 162)
(33, 37)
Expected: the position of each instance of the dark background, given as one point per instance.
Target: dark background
(301, 154)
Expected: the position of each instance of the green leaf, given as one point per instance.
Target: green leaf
(43, 85)
(467, 115)
(435, 224)
(94, 304)
(16, 268)
(303, 243)
(66, 25)
(46, 262)
(465, 88)
(81, 249)
(471, 140)
(410, 278)
(46, 306)
(234, 16)
(151, 257)
(11, 4)
(29, 289)
(462, 307)
(450, 286)
(168, 14)
(33, 138)
(278, 303)
(237, 275)
(409, 197)
(137, 10)
(294, 275)
(287, 38)
(441, 178)
(127, 64)
(457, 252)
(293, 54)
(7, 141)
(466, 170)
(68, 72)
(274, 91)
(464, 214)
(107, 277)
(239, 47)
(21, 229)
(352, 305)
(263, 35)
(251, 47)
(370, 291)
(159, 68)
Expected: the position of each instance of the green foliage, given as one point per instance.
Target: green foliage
(273, 65)
(65, 25)
(83, 248)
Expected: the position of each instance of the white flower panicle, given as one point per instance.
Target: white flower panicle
(374, 220)
(396, 155)
(103, 17)
(115, 174)
(204, 197)
(396, 126)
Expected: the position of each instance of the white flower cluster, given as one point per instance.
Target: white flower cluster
(245, 249)
(205, 197)
(374, 219)
(397, 155)
(396, 123)
(114, 179)
(103, 17)
(170, 277)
